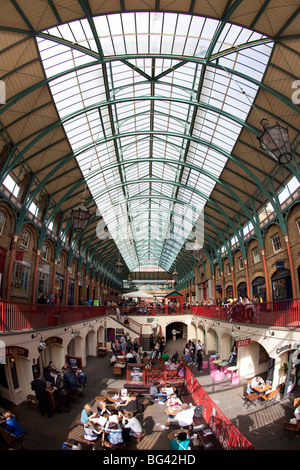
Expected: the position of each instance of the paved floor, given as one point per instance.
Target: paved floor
(262, 426)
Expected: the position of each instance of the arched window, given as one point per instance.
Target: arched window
(44, 254)
(2, 222)
(25, 239)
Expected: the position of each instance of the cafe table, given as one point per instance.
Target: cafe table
(217, 361)
(232, 369)
(118, 368)
(262, 389)
(174, 434)
(222, 365)
(173, 410)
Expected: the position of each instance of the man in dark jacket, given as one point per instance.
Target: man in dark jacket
(38, 385)
(61, 393)
(71, 382)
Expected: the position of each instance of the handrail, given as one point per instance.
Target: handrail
(20, 316)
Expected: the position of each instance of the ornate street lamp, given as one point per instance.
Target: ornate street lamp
(119, 267)
(275, 141)
(197, 251)
(80, 217)
(175, 275)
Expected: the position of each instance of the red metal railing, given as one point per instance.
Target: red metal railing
(279, 313)
(19, 316)
(227, 434)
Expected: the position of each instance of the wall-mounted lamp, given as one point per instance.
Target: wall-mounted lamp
(42, 344)
(72, 332)
(272, 333)
(232, 329)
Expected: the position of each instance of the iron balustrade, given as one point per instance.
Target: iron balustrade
(20, 316)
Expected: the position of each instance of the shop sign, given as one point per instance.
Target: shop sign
(280, 265)
(53, 340)
(287, 347)
(243, 342)
(16, 351)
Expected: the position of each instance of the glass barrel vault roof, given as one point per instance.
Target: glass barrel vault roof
(152, 107)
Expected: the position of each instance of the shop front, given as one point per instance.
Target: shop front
(281, 283)
(259, 288)
(15, 371)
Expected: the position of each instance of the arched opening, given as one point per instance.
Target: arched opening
(180, 327)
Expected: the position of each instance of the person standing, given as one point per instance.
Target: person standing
(199, 348)
(39, 386)
(174, 334)
(154, 326)
(118, 313)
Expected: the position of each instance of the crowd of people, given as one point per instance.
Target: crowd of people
(65, 384)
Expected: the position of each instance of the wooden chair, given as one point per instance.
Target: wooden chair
(294, 427)
(11, 441)
(109, 445)
(270, 396)
(249, 398)
(144, 402)
(140, 436)
(32, 401)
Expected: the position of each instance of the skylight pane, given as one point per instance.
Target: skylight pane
(152, 108)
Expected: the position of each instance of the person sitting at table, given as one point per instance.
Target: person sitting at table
(255, 382)
(71, 444)
(131, 423)
(183, 419)
(157, 394)
(181, 443)
(145, 357)
(130, 357)
(11, 425)
(173, 400)
(168, 389)
(114, 432)
(102, 408)
(90, 433)
(130, 404)
(86, 414)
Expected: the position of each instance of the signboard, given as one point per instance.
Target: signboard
(136, 373)
(74, 362)
(53, 340)
(16, 351)
(280, 265)
(243, 342)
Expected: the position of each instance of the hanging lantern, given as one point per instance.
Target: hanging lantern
(119, 267)
(175, 275)
(80, 217)
(275, 141)
(197, 251)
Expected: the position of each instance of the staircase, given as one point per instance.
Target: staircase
(145, 340)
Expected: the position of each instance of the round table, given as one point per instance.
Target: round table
(173, 434)
(172, 411)
(222, 364)
(232, 369)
